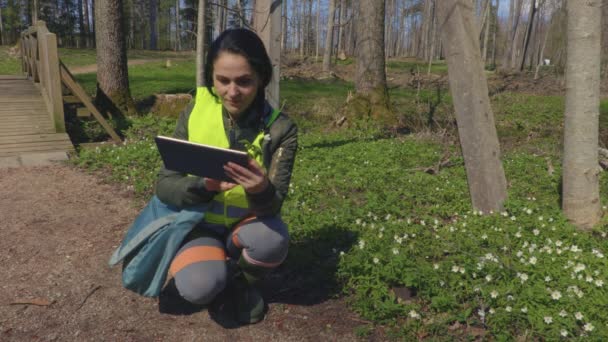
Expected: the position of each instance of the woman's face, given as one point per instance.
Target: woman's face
(235, 82)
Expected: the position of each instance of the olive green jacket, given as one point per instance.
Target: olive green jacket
(279, 152)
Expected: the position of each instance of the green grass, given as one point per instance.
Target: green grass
(9, 65)
(413, 65)
(81, 57)
(152, 78)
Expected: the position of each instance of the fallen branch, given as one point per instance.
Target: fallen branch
(87, 297)
(35, 301)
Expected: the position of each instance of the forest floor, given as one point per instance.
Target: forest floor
(59, 226)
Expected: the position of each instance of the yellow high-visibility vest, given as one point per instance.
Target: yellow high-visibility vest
(206, 126)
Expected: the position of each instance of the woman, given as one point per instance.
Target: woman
(241, 237)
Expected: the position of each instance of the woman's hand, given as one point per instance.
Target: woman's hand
(252, 178)
(217, 185)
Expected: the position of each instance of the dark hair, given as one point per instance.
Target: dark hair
(246, 43)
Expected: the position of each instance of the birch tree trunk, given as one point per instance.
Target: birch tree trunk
(329, 40)
(580, 196)
(201, 42)
(113, 94)
(468, 85)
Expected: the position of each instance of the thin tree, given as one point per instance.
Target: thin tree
(318, 30)
(113, 94)
(2, 33)
(201, 42)
(580, 195)
(329, 40)
(528, 35)
(468, 85)
(267, 23)
(178, 34)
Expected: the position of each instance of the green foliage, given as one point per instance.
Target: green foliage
(137, 161)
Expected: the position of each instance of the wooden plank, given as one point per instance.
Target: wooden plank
(12, 152)
(75, 88)
(12, 77)
(29, 145)
(71, 99)
(34, 137)
(25, 131)
(83, 112)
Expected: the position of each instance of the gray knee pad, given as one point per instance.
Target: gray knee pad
(200, 282)
(264, 241)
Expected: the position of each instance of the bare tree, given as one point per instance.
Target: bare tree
(2, 33)
(580, 196)
(267, 23)
(526, 42)
(476, 127)
(201, 42)
(113, 93)
(318, 30)
(329, 40)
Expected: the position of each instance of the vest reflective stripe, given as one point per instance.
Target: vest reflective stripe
(206, 126)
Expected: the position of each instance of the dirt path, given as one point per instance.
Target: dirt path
(58, 227)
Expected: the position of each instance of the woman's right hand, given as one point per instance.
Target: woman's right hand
(218, 185)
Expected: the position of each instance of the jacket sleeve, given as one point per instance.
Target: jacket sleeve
(269, 202)
(179, 189)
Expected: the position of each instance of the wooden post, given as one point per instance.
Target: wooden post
(267, 24)
(53, 82)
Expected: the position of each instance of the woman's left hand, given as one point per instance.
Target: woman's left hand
(252, 178)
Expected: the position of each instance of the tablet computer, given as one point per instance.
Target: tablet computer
(198, 159)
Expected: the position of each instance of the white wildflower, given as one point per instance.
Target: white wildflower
(589, 279)
(376, 260)
(599, 283)
(481, 313)
(556, 295)
(524, 309)
(508, 309)
(579, 316)
(489, 278)
(494, 294)
(484, 237)
(563, 313)
(536, 232)
(532, 260)
(413, 314)
(361, 244)
(395, 251)
(455, 269)
(548, 319)
(548, 279)
(588, 327)
(491, 311)
(435, 266)
(518, 234)
(563, 332)
(578, 268)
(528, 211)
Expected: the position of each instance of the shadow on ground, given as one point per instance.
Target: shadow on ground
(308, 277)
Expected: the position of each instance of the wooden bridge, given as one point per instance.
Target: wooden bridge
(32, 120)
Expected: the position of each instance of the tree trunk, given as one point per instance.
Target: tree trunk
(371, 99)
(580, 196)
(153, 23)
(113, 94)
(284, 26)
(516, 33)
(528, 35)
(468, 85)
(267, 23)
(342, 28)
(318, 42)
(433, 33)
(494, 34)
(486, 35)
(201, 43)
(178, 33)
(329, 40)
(81, 30)
(2, 33)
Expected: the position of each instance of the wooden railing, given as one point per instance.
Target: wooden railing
(40, 63)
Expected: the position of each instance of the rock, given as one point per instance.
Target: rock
(170, 104)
